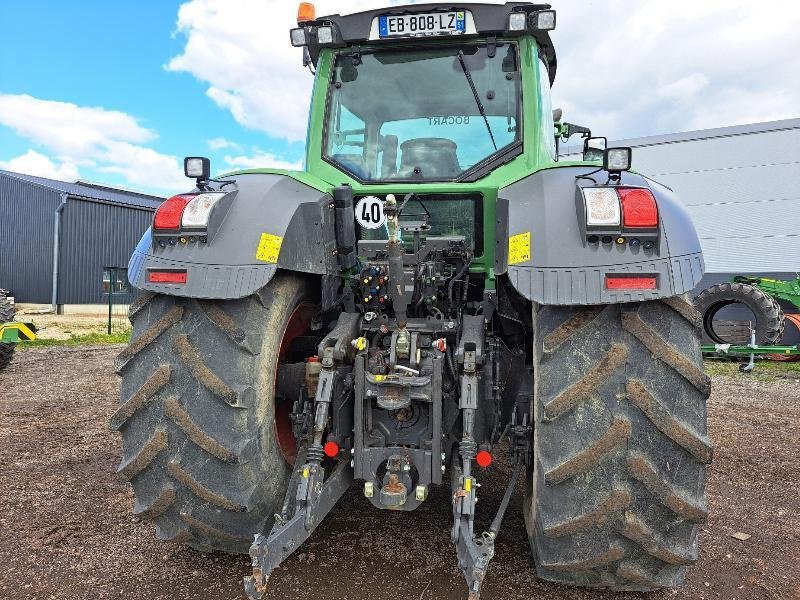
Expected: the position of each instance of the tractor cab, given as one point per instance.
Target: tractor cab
(428, 93)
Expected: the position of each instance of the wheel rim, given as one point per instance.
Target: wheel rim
(298, 324)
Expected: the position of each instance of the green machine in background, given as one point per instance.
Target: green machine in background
(782, 290)
(11, 332)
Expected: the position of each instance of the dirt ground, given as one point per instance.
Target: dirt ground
(66, 530)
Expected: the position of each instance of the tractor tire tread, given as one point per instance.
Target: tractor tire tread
(617, 488)
(198, 441)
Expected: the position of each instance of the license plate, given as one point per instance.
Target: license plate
(442, 23)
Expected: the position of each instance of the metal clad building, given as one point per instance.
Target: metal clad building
(69, 232)
(741, 186)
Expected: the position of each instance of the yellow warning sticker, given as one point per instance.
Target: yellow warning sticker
(519, 248)
(269, 247)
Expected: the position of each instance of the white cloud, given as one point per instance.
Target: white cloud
(261, 160)
(625, 68)
(109, 141)
(67, 128)
(241, 49)
(637, 68)
(33, 163)
(220, 143)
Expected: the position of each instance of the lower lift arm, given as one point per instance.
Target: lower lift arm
(474, 553)
(309, 496)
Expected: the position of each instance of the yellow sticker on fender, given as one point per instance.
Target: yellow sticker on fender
(269, 247)
(519, 248)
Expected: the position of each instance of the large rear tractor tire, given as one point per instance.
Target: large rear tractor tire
(768, 314)
(202, 446)
(7, 313)
(618, 484)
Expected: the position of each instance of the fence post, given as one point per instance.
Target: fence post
(111, 283)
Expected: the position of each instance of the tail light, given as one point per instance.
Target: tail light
(617, 207)
(638, 207)
(191, 211)
(602, 207)
(168, 215)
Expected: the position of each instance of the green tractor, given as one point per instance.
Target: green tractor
(433, 289)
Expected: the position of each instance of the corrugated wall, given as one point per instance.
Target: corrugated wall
(95, 235)
(26, 239)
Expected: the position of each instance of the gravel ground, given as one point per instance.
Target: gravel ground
(66, 529)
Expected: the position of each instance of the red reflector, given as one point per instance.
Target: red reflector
(638, 207)
(166, 276)
(484, 458)
(168, 215)
(630, 283)
(331, 449)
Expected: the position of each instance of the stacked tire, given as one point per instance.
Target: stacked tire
(767, 313)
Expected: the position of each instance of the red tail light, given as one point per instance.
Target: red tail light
(166, 276)
(639, 208)
(168, 215)
(630, 283)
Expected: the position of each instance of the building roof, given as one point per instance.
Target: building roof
(688, 136)
(92, 191)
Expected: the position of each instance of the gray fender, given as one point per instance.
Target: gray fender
(227, 266)
(564, 269)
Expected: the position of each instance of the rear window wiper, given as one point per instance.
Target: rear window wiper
(476, 96)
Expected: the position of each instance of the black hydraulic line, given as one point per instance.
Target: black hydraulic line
(481, 109)
(455, 278)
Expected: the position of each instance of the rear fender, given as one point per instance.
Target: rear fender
(562, 268)
(271, 221)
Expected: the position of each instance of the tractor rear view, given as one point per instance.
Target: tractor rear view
(433, 289)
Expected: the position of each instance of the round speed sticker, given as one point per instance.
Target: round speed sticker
(369, 212)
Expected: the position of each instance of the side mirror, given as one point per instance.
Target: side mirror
(616, 160)
(594, 148)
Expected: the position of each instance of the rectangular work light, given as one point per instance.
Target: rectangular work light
(517, 21)
(197, 167)
(299, 36)
(544, 20)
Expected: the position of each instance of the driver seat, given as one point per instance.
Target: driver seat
(436, 158)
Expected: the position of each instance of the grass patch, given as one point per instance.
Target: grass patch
(86, 339)
(765, 370)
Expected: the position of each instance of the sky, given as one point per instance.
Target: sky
(119, 92)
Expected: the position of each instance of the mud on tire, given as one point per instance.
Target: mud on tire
(197, 414)
(621, 446)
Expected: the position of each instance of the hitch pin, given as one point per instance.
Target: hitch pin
(408, 370)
